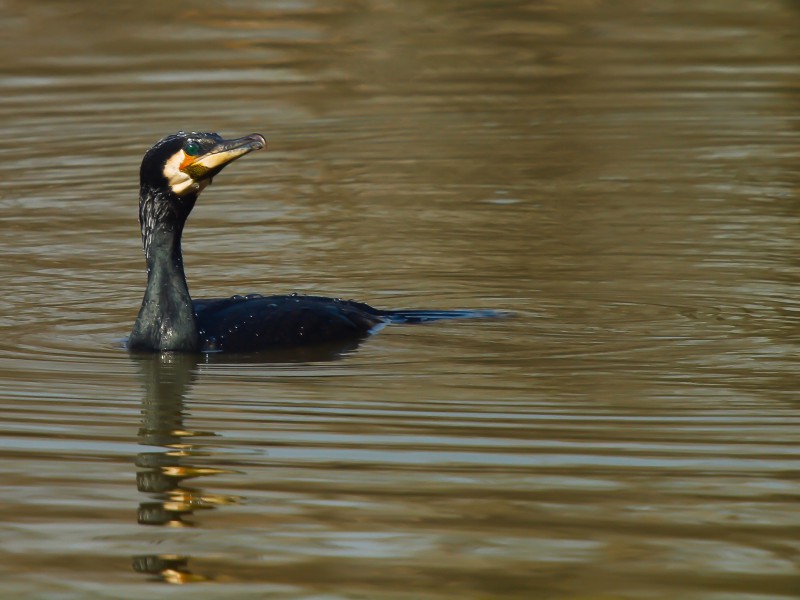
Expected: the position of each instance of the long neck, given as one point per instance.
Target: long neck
(166, 319)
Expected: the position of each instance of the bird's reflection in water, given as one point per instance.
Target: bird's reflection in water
(170, 568)
(162, 474)
(166, 381)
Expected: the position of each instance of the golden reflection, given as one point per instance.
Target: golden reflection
(163, 473)
(171, 568)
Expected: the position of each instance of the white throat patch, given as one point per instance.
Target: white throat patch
(179, 182)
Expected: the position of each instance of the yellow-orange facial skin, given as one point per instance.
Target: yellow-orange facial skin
(187, 160)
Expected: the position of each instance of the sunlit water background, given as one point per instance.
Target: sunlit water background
(623, 176)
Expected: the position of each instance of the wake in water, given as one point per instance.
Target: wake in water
(427, 316)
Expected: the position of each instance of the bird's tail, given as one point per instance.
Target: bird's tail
(427, 316)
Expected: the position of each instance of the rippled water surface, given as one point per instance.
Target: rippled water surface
(623, 176)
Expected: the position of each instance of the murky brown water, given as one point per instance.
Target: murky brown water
(622, 175)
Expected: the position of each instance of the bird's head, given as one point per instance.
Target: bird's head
(183, 164)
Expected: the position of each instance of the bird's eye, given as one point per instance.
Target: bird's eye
(192, 148)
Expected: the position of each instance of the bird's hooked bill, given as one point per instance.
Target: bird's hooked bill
(210, 162)
(191, 160)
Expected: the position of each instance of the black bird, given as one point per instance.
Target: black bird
(172, 175)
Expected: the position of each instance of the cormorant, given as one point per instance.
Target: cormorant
(173, 173)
